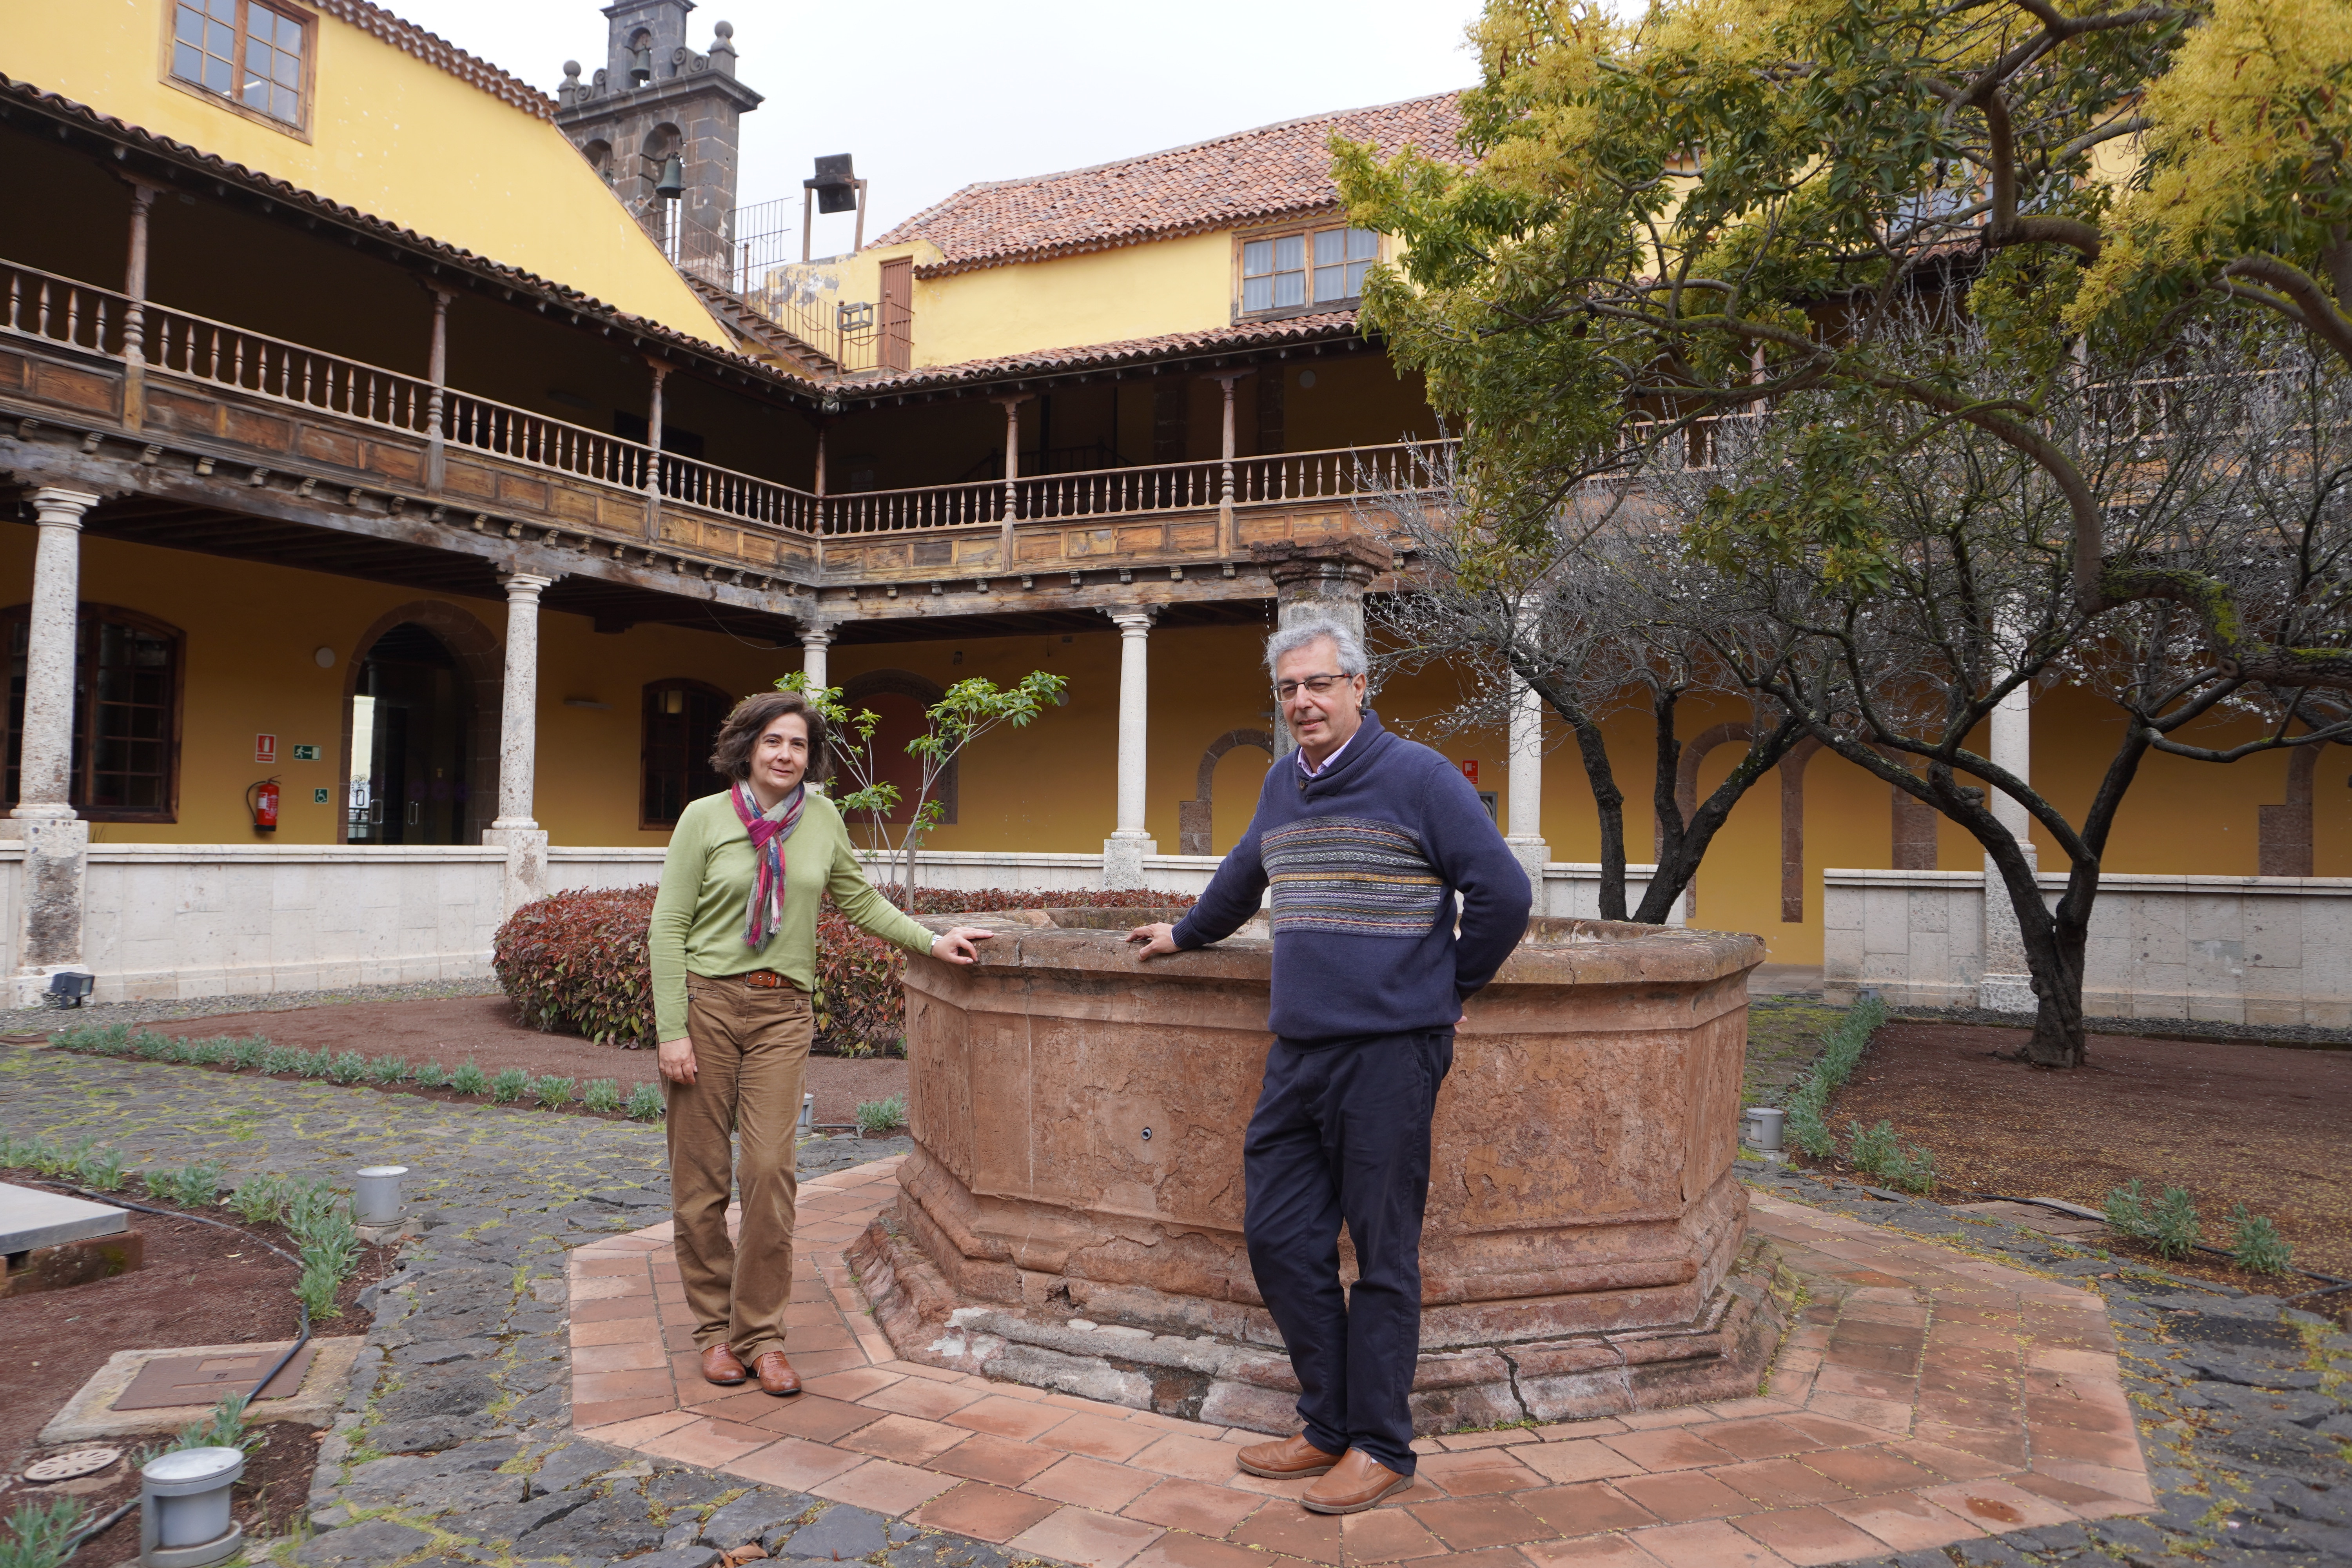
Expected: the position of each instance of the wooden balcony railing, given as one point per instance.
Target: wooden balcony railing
(178, 347)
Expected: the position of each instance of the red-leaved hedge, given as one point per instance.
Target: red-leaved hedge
(575, 963)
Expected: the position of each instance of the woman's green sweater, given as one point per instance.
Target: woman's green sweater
(705, 883)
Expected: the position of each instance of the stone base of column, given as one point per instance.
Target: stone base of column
(526, 873)
(49, 918)
(1123, 859)
(2006, 986)
(1533, 855)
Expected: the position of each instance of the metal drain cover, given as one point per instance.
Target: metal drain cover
(71, 1464)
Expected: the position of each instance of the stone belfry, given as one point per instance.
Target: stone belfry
(653, 101)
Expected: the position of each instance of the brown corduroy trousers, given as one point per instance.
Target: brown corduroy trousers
(750, 1057)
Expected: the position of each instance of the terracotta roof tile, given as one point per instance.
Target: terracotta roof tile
(1231, 181)
(1133, 350)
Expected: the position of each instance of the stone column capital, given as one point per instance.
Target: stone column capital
(817, 635)
(1353, 557)
(1225, 378)
(62, 508)
(525, 587)
(1012, 400)
(1133, 620)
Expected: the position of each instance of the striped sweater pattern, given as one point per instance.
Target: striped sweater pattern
(1351, 874)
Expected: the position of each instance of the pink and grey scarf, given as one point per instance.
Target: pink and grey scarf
(769, 830)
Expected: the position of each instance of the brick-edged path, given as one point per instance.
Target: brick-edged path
(1929, 1397)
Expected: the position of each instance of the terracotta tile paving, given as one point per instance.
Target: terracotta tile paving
(1925, 1398)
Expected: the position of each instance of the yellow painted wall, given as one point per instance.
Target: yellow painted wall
(390, 134)
(251, 633)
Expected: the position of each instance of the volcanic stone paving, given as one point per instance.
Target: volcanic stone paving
(521, 1397)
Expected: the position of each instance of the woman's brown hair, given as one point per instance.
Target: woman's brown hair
(731, 756)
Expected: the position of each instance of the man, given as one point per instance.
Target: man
(1365, 838)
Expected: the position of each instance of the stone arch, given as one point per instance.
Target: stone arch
(482, 657)
(1192, 821)
(924, 692)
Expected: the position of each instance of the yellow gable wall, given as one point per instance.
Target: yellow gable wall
(390, 134)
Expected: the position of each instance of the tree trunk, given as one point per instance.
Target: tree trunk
(1607, 800)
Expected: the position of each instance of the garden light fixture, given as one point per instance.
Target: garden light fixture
(183, 1507)
(808, 1114)
(376, 1200)
(1763, 1128)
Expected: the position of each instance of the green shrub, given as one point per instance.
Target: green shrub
(509, 1086)
(552, 1093)
(601, 1094)
(317, 1287)
(155, 1047)
(204, 1053)
(645, 1103)
(40, 1534)
(2256, 1245)
(249, 1053)
(259, 1199)
(2126, 1212)
(469, 1080)
(875, 1117)
(575, 963)
(320, 1063)
(221, 1427)
(99, 1168)
(1808, 1103)
(192, 1186)
(432, 1075)
(2172, 1224)
(346, 1067)
(386, 1070)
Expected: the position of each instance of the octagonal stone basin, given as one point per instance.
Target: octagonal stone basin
(1071, 1217)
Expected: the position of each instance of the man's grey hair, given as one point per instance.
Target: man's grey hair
(1347, 647)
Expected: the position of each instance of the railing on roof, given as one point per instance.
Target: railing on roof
(750, 260)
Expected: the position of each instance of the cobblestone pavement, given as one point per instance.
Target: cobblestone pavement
(455, 1447)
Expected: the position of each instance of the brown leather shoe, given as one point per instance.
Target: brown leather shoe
(720, 1366)
(1355, 1484)
(776, 1373)
(1287, 1460)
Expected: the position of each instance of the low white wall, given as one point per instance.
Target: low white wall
(2231, 950)
(582, 870)
(175, 921)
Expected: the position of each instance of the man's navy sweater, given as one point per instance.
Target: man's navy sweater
(1364, 861)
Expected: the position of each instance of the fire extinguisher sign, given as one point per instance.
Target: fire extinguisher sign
(1469, 770)
(264, 748)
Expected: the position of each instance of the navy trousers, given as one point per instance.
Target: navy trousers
(1341, 1132)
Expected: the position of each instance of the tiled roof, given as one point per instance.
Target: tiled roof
(1233, 180)
(1096, 356)
(435, 50)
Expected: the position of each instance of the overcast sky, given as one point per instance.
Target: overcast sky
(947, 92)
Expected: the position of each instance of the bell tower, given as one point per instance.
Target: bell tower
(663, 125)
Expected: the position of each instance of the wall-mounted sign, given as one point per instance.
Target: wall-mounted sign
(318, 797)
(264, 748)
(306, 754)
(1470, 771)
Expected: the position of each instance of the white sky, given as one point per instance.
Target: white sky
(947, 92)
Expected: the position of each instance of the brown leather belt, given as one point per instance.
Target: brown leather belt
(766, 980)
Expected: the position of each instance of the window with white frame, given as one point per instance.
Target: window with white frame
(1316, 267)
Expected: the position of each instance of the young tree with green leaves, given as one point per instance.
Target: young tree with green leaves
(964, 712)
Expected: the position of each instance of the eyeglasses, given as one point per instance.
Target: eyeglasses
(1320, 685)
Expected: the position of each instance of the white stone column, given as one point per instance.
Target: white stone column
(515, 828)
(2007, 986)
(1525, 831)
(55, 841)
(815, 640)
(1124, 850)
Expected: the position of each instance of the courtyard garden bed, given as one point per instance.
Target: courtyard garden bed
(2229, 1123)
(200, 1285)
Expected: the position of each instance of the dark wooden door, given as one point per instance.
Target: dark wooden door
(898, 314)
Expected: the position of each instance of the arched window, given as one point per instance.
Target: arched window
(681, 725)
(128, 671)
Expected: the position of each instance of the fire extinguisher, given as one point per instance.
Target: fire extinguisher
(261, 799)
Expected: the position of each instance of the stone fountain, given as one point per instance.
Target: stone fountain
(1071, 1216)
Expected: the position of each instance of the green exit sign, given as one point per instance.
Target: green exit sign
(306, 754)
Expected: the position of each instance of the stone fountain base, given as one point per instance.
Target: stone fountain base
(1242, 1378)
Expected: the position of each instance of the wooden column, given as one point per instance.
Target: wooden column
(436, 372)
(654, 444)
(134, 315)
(1226, 543)
(1012, 478)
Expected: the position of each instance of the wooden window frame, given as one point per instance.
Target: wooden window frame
(646, 822)
(301, 16)
(78, 783)
(1304, 229)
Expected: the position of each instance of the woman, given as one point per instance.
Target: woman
(734, 962)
